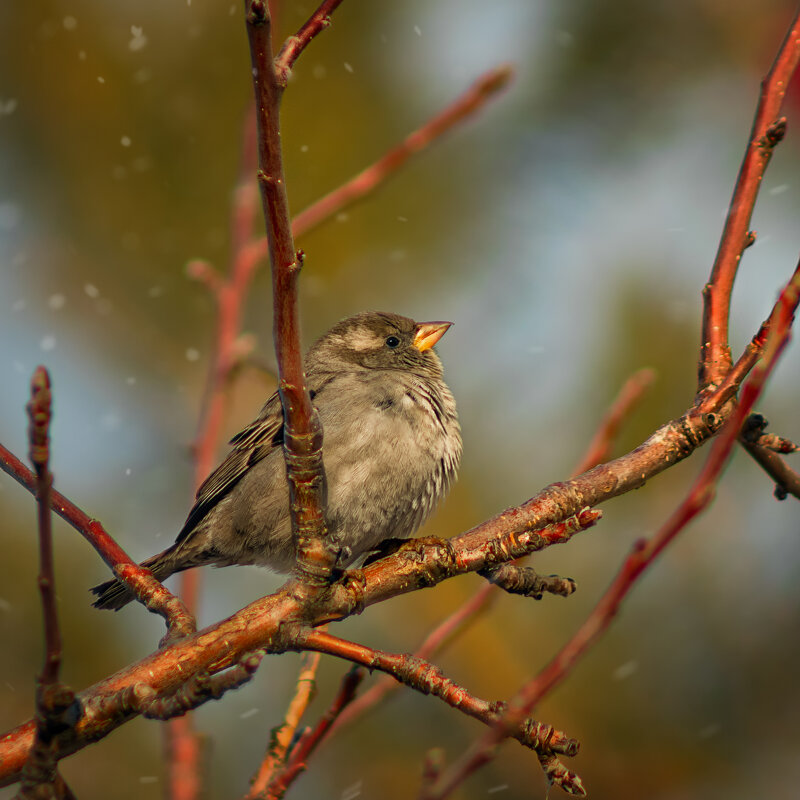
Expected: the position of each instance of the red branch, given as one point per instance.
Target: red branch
(294, 45)
(767, 131)
(629, 395)
(642, 556)
(487, 86)
(39, 412)
(443, 633)
(139, 580)
(302, 429)
(273, 764)
(427, 678)
(312, 738)
(54, 701)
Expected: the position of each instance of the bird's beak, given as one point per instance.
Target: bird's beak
(428, 333)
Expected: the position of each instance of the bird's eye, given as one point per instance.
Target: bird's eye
(392, 341)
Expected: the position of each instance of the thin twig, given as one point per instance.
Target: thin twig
(787, 480)
(55, 703)
(294, 45)
(283, 735)
(39, 412)
(767, 131)
(427, 678)
(312, 738)
(629, 396)
(316, 556)
(140, 581)
(642, 556)
(184, 745)
(434, 642)
(486, 87)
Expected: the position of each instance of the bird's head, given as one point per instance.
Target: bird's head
(378, 340)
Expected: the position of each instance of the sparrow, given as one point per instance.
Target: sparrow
(391, 449)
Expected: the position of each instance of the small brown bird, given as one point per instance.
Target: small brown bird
(392, 446)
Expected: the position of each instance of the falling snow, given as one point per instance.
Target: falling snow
(348, 66)
(48, 343)
(138, 41)
(69, 23)
(9, 216)
(418, 30)
(125, 141)
(91, 290)
(110, 421)
(56, 301)
(192, 354)
(351, 792)
(8, 107)
(249, 713)
(625, 670)
(101, 79)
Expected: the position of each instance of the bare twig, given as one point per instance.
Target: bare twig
(294, 45)
(140, 581)
(282, 736)
(441, 635)
(302, 429)
(427, 678)
(312, 738)
(629, 396)
(39, 412)
(641, 557)
(787, 480)
(55, 703)
(183, 744)
(767, 131)
(486, 87)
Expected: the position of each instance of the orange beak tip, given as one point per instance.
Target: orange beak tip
(429, 333)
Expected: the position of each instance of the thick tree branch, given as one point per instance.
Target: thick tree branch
(767, 131)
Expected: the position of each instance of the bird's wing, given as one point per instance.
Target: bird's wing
(249, 446)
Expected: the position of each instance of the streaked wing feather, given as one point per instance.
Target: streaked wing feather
(250, 446)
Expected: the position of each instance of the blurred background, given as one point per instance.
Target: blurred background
(567, 230)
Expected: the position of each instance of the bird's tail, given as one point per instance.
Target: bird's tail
(113, 595)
